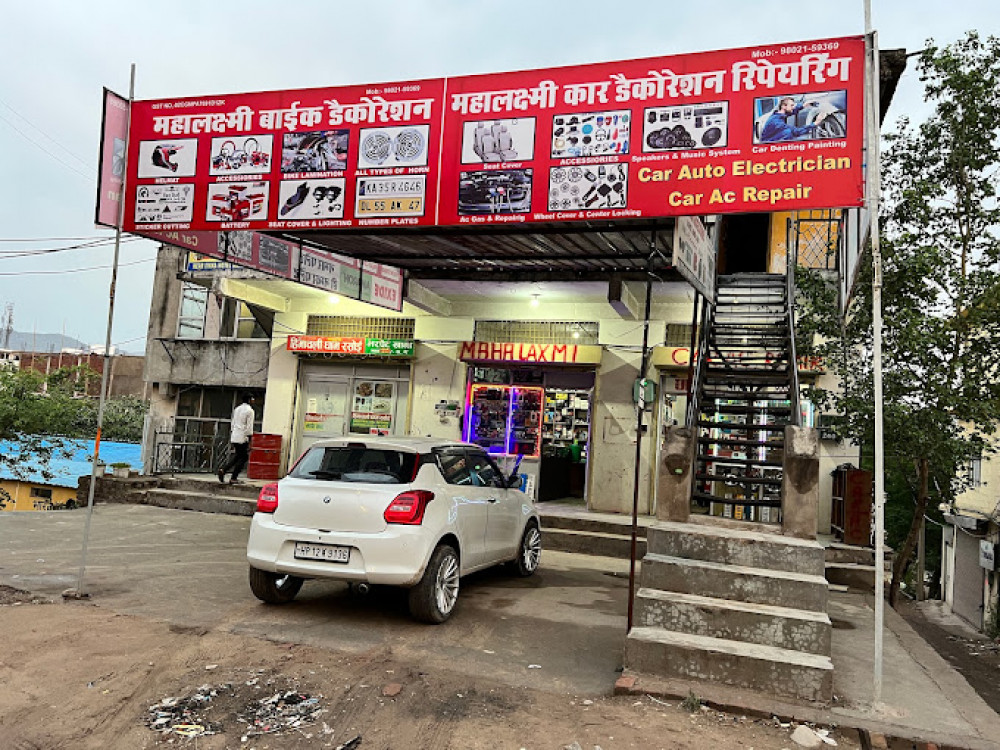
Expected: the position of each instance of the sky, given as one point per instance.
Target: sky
(59, 55)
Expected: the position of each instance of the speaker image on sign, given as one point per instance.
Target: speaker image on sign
(685, 127)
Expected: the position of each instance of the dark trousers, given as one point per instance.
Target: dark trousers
(238, 459)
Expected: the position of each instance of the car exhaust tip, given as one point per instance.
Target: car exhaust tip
(362, 589)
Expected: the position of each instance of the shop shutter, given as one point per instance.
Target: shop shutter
(968, 599)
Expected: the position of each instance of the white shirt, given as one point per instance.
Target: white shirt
(242, 425)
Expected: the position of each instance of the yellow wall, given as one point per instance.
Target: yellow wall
(21, 499)
(815, 232)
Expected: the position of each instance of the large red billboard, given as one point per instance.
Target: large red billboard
(778, 127)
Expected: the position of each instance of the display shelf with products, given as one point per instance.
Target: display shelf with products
(525, 438)
(566, 419)
(488, 416)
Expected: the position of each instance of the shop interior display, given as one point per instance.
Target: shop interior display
(566, 421)
(506, 420)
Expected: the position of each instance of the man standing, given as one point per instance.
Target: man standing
(240, 431)
(777, 128)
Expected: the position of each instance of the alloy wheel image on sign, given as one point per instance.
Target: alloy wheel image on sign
(591, 134)
(393, 147)
(588, 188)
(687, 127)
(164, 203)
(495, 192)
(311, 199)
(315, 151)
(241, 155)
(173, 158)
(390, 196)
(237, 201)
(488, 141)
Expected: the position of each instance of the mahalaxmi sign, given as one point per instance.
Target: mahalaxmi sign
(770, 128)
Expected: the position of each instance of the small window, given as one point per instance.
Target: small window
(974, 472)
(454, 467)
(194, 305)
(484, 471)
(43, 492)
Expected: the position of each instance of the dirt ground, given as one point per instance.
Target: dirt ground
(73, 675)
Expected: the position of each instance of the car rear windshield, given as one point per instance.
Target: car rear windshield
(349, 463)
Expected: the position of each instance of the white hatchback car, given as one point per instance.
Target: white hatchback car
(412, 512)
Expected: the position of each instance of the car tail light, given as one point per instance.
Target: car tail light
(408, 507)
(267, 500)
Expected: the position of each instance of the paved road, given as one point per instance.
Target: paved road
(189, 569)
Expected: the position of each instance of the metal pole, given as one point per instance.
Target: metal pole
(874, 189)
(107, 353)
(694, 343)
(640, 408)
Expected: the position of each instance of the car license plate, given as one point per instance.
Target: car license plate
(324, 552)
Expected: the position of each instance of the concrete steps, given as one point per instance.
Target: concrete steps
(766, 625)
(214, 502)
(591, 542)
(733, 605)
(767, 669)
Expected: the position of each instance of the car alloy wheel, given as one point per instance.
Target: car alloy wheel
(446, 585)
(531, 550)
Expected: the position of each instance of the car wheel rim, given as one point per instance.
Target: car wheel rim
(531, 550)
(446, 585)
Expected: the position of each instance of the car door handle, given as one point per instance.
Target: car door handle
(491, 499)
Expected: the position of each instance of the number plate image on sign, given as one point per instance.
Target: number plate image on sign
(390, 196)
(324, 552)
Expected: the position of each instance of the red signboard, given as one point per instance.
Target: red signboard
(778, 127)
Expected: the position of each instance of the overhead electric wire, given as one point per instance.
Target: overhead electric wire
(7, 254)
(88, 177)
(49, 137)
(56, 239)
(73, 270)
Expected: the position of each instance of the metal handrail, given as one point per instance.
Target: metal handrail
(791, 258)
(702, 351)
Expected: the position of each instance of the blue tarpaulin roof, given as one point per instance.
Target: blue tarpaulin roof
(68, 469)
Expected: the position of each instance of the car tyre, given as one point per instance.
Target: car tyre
(433, 599)
(529, 552)
(274, 588)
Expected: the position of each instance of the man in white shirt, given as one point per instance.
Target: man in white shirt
(240, 430)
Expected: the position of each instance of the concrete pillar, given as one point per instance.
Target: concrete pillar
(675, 474)
(800, 482)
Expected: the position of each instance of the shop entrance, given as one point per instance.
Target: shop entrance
(350, 399)
(542, 416)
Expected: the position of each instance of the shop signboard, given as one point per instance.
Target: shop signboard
(987, 554)
(768, 128)
(694, 255)
(111, 166)
(562, 354)
(372, 408)
(678, 356)
(375, 283)
(349, 345)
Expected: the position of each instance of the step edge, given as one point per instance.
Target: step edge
(774, 654)
(790, 613)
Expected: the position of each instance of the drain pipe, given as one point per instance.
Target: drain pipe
(640, 409)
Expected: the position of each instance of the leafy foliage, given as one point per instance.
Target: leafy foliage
(39, 413)
(940, 293)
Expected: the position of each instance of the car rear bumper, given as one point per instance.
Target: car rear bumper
(394, 557)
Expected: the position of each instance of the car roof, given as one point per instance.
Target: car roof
(403, 442)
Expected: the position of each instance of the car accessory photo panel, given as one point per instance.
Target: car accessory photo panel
(588, 187)
(393, 147)
(311, 199)
(166, 204)
(591, 134)
(813, 116)
(402, 195)
(685, 127)
(168, 158)
(315, 151)
(493, 141)
(237, 201)
(494, 191)
(250, 154)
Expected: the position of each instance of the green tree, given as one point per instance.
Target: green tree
(941, 293)
(35, 421)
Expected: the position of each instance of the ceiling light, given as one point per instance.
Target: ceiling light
(334, 299)
(576, 334)
(534, 300)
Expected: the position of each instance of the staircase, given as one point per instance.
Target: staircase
(747, 391)
(725, 597)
